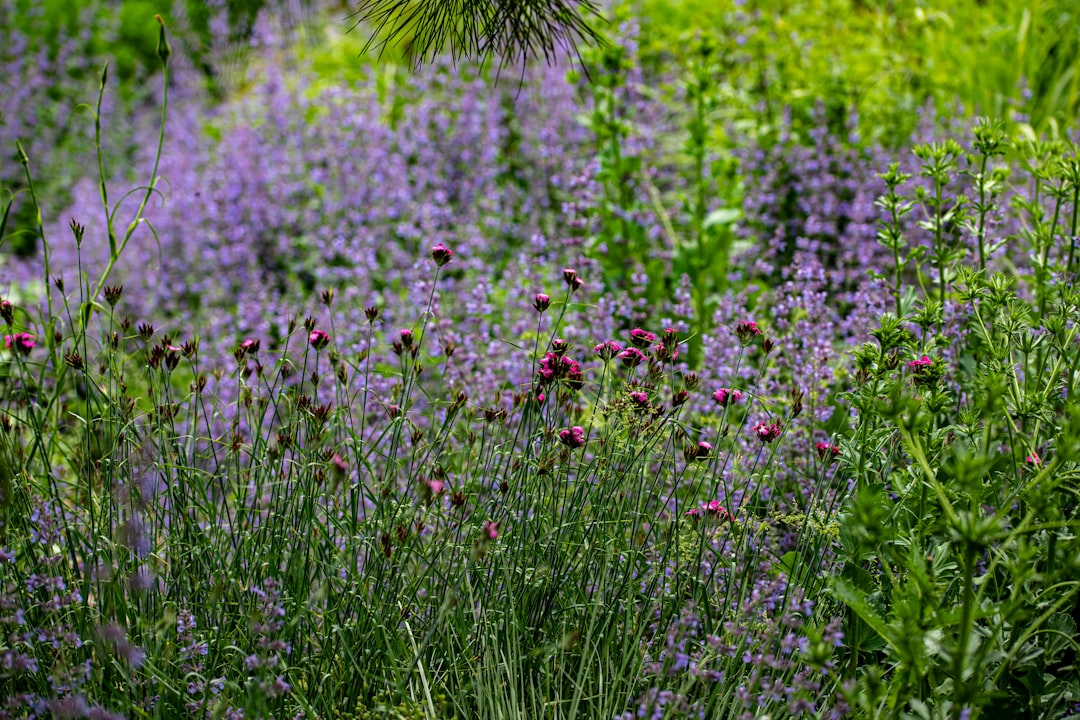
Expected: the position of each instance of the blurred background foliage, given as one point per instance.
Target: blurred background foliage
(884, 60)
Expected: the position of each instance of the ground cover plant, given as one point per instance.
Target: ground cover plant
(430, 397)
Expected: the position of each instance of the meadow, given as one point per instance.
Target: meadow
(725, 370)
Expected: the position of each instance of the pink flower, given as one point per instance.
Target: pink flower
(318, 339)
(441, 254)
(642, 338)
(921, 363)
(1033, 459)
(491, 529)
(607, 350)
(572, 280)
(573, 437)
(714, 509)
(824, 450)
(639, 398)
(249, 346)
(632, 357)
(726, 396)
(22, 342)
(747, 331)
(767, 432)
(541, 302)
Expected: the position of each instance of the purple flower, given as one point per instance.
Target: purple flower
(318, 339)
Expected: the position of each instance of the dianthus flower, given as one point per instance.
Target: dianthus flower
(573, 437)
(441, 254)
(767, 432)
(22, 342)
(632, 357)
(726, 396)
(642, 338)
(747, 331)
(318, 339)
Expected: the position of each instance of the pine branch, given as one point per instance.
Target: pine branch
(477, 30)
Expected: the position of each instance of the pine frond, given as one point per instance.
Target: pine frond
(478, 30)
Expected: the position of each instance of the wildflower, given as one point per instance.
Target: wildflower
(641, 338)
(747, 332)
(23, 342)
(441, 254)
(541, 302)
(491, 529)
(824, 450)
(679, 398)
(7, 311)
(701, 451)
(665, 353)
(407, 338)
(632, 357)
(767, 432)
(726, 396)
(713, 508)
(607, 350)
(573, 437)
(1033, 459)
(113, 293)
(639, 398)
(249, 347)
(318, 339)
(925, 371)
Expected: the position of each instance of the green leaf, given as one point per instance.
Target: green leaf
(723, 216)
(856, 599)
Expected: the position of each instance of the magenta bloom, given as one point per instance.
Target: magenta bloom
(767, 432)
(824, 450)
(607, 350)
(249, 346)
(541, 302)
(491, 529)
(726, 396)
(639, 398)
(573, 437)
(441, 254)
(642, 338)
(22, 342)
(632, 357)
(923, 362)
(713, 509)
(747, 331)
(318, 339)
(1033, 459)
